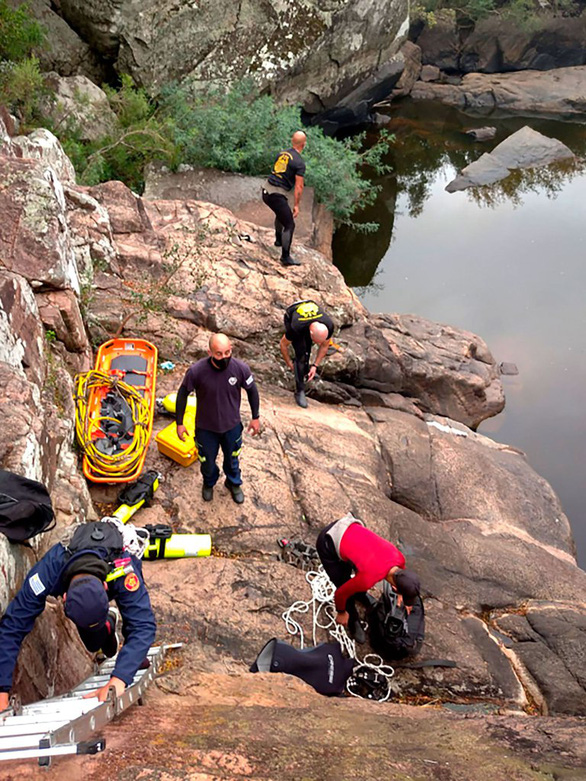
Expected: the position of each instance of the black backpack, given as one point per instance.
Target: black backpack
(395, 634)
(25, 507)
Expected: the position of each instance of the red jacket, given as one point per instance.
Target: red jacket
(372, 558)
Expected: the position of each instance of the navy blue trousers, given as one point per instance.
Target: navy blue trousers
(208, 443)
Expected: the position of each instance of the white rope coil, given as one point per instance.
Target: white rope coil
(323, 611)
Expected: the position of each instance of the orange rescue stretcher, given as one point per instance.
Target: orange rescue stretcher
(114, 410)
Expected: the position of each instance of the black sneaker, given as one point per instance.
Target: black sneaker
(278, 243)
(289, 261)
(110, 646)
(301, 399)
(236, 491)
(207, 492)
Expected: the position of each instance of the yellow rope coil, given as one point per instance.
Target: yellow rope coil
(123, 463)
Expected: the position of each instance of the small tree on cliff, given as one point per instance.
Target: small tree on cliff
(21, 81)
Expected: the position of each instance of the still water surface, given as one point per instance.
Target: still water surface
(506, 262)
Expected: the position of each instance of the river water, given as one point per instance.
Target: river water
(506, 262)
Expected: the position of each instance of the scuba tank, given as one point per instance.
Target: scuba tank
(169, 403)
(164, 544)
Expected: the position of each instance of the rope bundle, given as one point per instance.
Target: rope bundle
(124, 463)
(323, 612)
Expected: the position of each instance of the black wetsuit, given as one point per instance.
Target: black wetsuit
(298, 317)
(277, 193)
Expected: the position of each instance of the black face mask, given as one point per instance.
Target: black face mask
(221, 363)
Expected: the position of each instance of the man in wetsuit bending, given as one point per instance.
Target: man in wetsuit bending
(282, 193)
(305, 325)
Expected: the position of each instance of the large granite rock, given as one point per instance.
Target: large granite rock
(314, 226)
(62, 49)
(78, 103)
(268, 726)
(504, 597)
(524, 149)
(560, 91)
(36, 406)
(443, 370)
(496, 46)
(313, 53)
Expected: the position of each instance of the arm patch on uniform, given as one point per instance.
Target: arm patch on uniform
(250, 380)
(36, 584)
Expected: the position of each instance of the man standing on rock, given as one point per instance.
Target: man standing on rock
(305, 325)
(347, 545)
(217, 382)
(283, 188)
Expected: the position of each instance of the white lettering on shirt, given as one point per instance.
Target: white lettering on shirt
(36, 584)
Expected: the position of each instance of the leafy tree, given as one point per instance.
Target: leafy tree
(242, 132)
(21, 82)
(19, 33)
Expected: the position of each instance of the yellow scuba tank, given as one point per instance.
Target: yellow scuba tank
(169, 404)
(166, 545)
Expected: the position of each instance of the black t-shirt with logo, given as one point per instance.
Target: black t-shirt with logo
(288, 165)
(298, 318)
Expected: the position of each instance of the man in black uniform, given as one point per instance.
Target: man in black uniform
(305, 325)
(283, 187)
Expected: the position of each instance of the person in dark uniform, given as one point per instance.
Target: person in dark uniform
(282, 193)
(305, 325)
(87, 574)
(217, 382)
(347, 546)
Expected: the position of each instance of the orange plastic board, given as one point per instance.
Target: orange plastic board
(133, 361)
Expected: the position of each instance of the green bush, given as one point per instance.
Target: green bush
(138, 138)
(527, 14)
(22, 87)
(242, 132)
(19, 34)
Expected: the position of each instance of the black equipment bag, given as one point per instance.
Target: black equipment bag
(25, 507)
(395, 634)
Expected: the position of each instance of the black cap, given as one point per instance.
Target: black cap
(87, 602)
(408, 585)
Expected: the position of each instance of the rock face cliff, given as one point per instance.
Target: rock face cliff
(504, 597)
(313, 53)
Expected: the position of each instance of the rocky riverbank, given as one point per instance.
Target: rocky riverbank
(504, 597)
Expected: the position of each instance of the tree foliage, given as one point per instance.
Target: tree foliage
(524, 13)
(243, 132)
(19, 33)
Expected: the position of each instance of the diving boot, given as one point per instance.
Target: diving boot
(236, 491)
(301, 399)
(289, 261)
(207, 492)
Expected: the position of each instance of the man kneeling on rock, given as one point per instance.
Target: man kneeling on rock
(347, 545)
(305, 325)
(86, 573)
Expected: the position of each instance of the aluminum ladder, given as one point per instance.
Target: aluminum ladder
(67, 724)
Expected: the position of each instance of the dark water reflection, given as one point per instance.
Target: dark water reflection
(506, 262)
